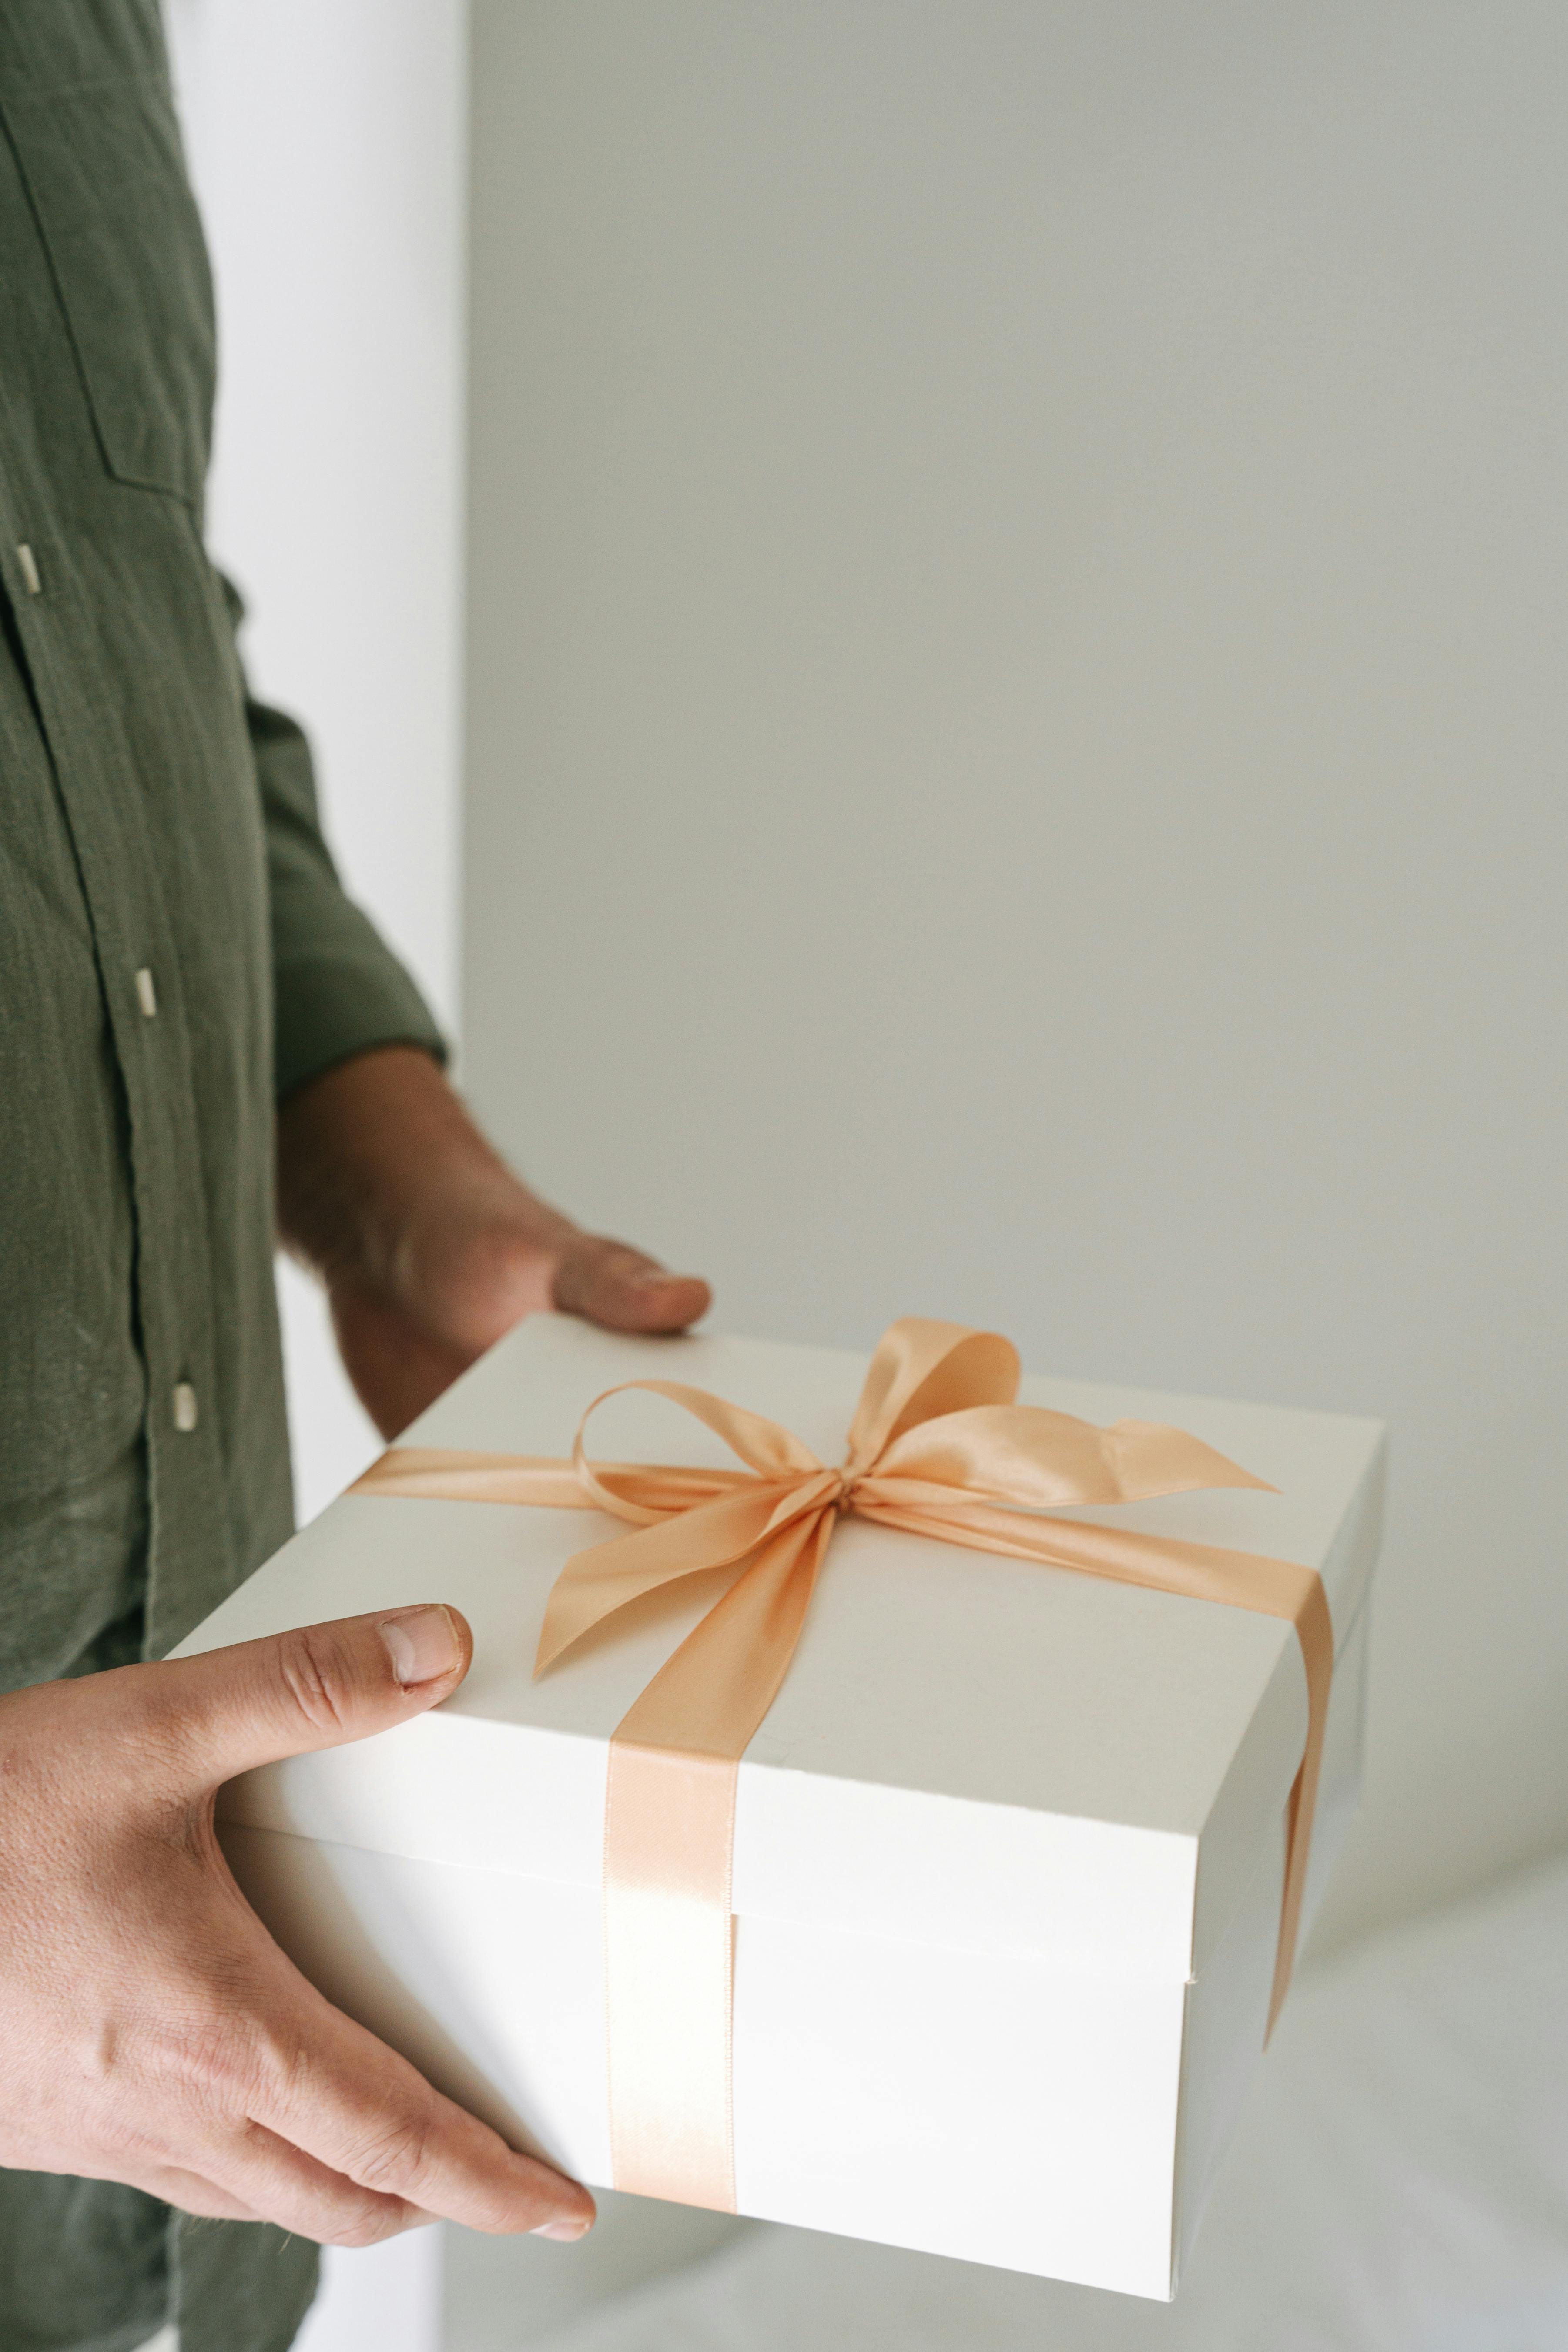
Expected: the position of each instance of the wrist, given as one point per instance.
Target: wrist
(379, 1164)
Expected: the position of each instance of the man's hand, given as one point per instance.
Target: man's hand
(428, 1244)
(152, 2032)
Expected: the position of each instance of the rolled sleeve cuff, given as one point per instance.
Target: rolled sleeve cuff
(330, 1005)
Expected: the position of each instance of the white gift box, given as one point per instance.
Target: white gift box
(1008, 1846)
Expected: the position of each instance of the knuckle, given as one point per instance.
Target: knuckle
(311, 1673)
(223, 2060)
(322, 2204)
(189, 2046)
(367, 2225)
(392, 2157)
(275, 2068)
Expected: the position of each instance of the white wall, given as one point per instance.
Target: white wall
(328, 145)
(1018, 699)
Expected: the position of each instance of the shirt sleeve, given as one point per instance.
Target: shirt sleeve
(338, 989)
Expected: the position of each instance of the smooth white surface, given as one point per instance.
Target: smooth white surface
(1016, 714)
(987, 2105)
(1400, 2179)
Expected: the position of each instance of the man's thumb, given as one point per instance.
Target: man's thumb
(316, 1686)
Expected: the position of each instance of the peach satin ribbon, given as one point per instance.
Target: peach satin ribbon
(938, 1448)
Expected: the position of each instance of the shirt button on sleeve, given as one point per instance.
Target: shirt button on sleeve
(185, 1407)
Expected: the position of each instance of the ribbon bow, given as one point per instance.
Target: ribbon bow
(937, 1447)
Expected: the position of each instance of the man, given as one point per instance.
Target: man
(175, 957)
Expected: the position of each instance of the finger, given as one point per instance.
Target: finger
(609, 1283)
(267, 2179)
(363, 2112)
(317, 1686)
(175, 2184)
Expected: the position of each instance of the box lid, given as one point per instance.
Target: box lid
(967, 1749)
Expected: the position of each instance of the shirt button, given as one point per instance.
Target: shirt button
(146, 994)
(185, 1407)
(27, 565)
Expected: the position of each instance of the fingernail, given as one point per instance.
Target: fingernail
(422, 1643)
(563, 2230)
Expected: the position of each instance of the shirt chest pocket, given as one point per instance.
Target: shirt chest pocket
(107, 180)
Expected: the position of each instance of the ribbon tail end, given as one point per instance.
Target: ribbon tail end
(552, 1645)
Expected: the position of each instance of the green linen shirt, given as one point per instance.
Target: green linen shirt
(176, 952)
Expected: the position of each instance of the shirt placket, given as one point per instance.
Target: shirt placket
(140, 979)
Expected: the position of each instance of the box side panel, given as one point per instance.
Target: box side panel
(1227, 2003)
(1344, 1748)
(1227, 2017)
(1244, 1812)
(491, 1984)
(985, 2107)
(1091, 1896)
(443, 1788)
(980, 2106)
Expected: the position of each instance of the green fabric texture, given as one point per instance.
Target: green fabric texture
(175, 952)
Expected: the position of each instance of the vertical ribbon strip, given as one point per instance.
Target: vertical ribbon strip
(938, 1448)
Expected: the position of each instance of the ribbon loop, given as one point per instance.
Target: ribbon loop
(1022, 1454)
(766, 1446)
(923, 1368)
